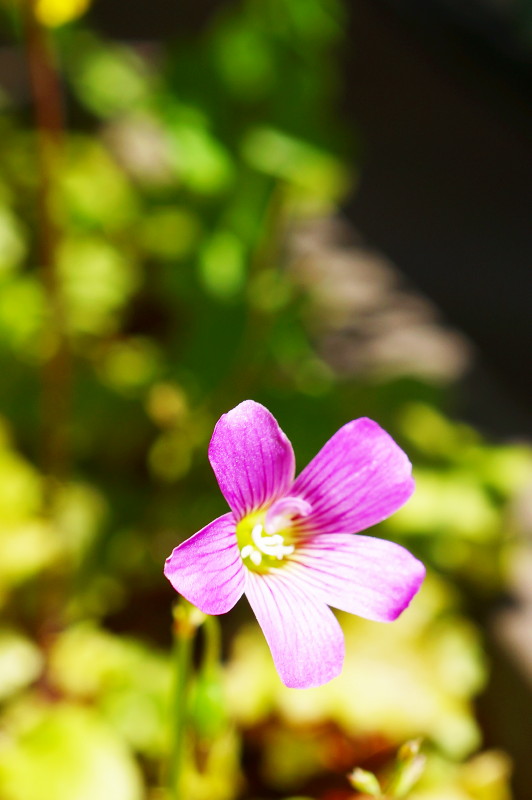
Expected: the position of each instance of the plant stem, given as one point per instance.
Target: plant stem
(186, 621)
(49, 119)
(212, 633)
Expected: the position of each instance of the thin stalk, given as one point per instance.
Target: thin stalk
(186, 621)
(47, 98)
(46, 94)
(213, 643)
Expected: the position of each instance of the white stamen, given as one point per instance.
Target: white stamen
(287, 550)
(256, 532)
(270, 545)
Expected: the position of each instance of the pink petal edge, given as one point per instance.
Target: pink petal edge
(304, 636)
(359, 477)
(362, 575)
(207, 568)
(251, 457)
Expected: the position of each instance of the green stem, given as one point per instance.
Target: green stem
(213, 639)
(186, 621)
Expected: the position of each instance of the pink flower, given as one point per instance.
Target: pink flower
(289, 544)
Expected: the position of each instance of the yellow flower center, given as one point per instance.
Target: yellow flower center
(259, 549)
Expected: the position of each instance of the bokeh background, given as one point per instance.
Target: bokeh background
(321, 205)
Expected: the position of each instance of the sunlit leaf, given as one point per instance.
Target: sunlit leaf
(223, 264)
(63, 752)
(316, 176)
(201, 161)
(170, 232)
(20, 662)
(95, 191)
(54, 13)
(128, 682)
(12, 242)
(130, 364)
(109, 78)
(97, 281)
(22, 314)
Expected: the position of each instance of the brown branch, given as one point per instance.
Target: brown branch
(48, 107)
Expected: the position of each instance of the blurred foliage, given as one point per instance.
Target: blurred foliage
(185, 170)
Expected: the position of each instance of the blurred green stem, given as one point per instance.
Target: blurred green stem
(187, 619)
(211, 628)
(49, 119)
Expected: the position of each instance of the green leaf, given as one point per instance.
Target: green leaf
(65, 753)
(364, 781)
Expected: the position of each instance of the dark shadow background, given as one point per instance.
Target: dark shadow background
(442, 99)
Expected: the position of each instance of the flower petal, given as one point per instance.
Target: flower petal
(304, 636)
(207, 568)
(358, 478)
(362, 575)
(251, 457)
